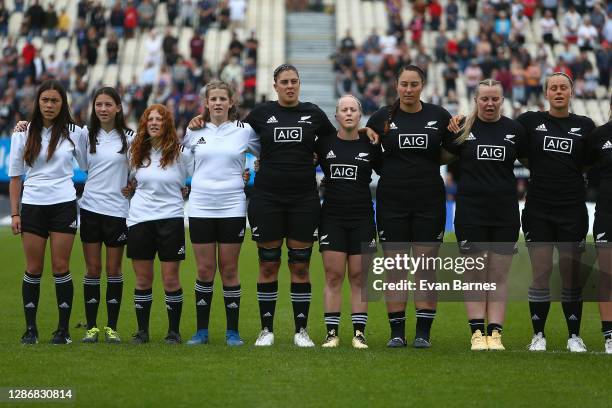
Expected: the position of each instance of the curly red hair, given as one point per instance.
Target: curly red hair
(141, 146)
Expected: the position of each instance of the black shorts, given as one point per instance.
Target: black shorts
(222, 230)
(568, 225)
(97, 228)
(411, 225)
(164, 237)
(43, 219)
(602, 229)
(478, 238)
(348, 237)
(273, 217)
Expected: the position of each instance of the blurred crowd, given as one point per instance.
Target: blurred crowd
(576, 37)
(101, 27)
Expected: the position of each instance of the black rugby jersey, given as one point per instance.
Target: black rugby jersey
(600, 153)
(486, 190)
(347, 166)
(557, 148)
(411, 148)
(288, 136)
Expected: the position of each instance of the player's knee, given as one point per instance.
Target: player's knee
(60, 266)
(229, 272)
(333, 279)
(299, 255)
(93, 270)
(269, 255)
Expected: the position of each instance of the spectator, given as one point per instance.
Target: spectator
(450, 75)
(130, 19)
(187, 13)
(64, 23)
(571, 24)
(416, 27)
(607, 30)
(587, 35)
(373, 41)
(598, 17)
(172, 10)
(591, 82)
(440, 46)
(473, 75)
(4, 20)
(533, 75)
(452, 103)
(237, 12)
(520, 23)
(434, 10)
(196, 47)
(112, 48)
(146, 14)
(169, 47)
(251, 45)
(83, 7)
(236, 47)
(547, 27)
(603, 56)
(223, 14)
(232, 74)
(98, 19)
(153, 48)
(117, 18)
(452, 15)
(7, 112)
(36, 18)
(504, 76)
(373, 63)
(90, 49)
(347, 43)
(503, 25)
(28, 52)
(206, 13)
(51, 23)
(551, 5)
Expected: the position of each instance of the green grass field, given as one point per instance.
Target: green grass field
(283, 375)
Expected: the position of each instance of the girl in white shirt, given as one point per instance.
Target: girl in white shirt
(217, 205)
(104, 209)
(159, 168)
(44, 153)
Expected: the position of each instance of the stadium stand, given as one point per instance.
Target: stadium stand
(162, 51)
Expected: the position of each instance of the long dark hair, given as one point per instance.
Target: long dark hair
(394, 108)
(95, 125)
(217, 84)
(59, 129)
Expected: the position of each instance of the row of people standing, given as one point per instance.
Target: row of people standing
(290, 132)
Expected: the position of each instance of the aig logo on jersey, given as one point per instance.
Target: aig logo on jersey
(558, 144)
(491, 152)
(343, 171)
(287, 134)
(413, 141)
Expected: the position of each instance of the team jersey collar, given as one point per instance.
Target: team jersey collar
(213, 126)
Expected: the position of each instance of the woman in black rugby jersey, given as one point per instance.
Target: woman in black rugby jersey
(487, 215)
(555, 212)
(600, 152)
(410, 198)
(346, 231)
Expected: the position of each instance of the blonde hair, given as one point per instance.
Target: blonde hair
(469, 122)
(352, 97)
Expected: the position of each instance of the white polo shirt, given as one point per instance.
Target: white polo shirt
(158, 193)
(219, 153)
(107, 173)
(48, 182)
